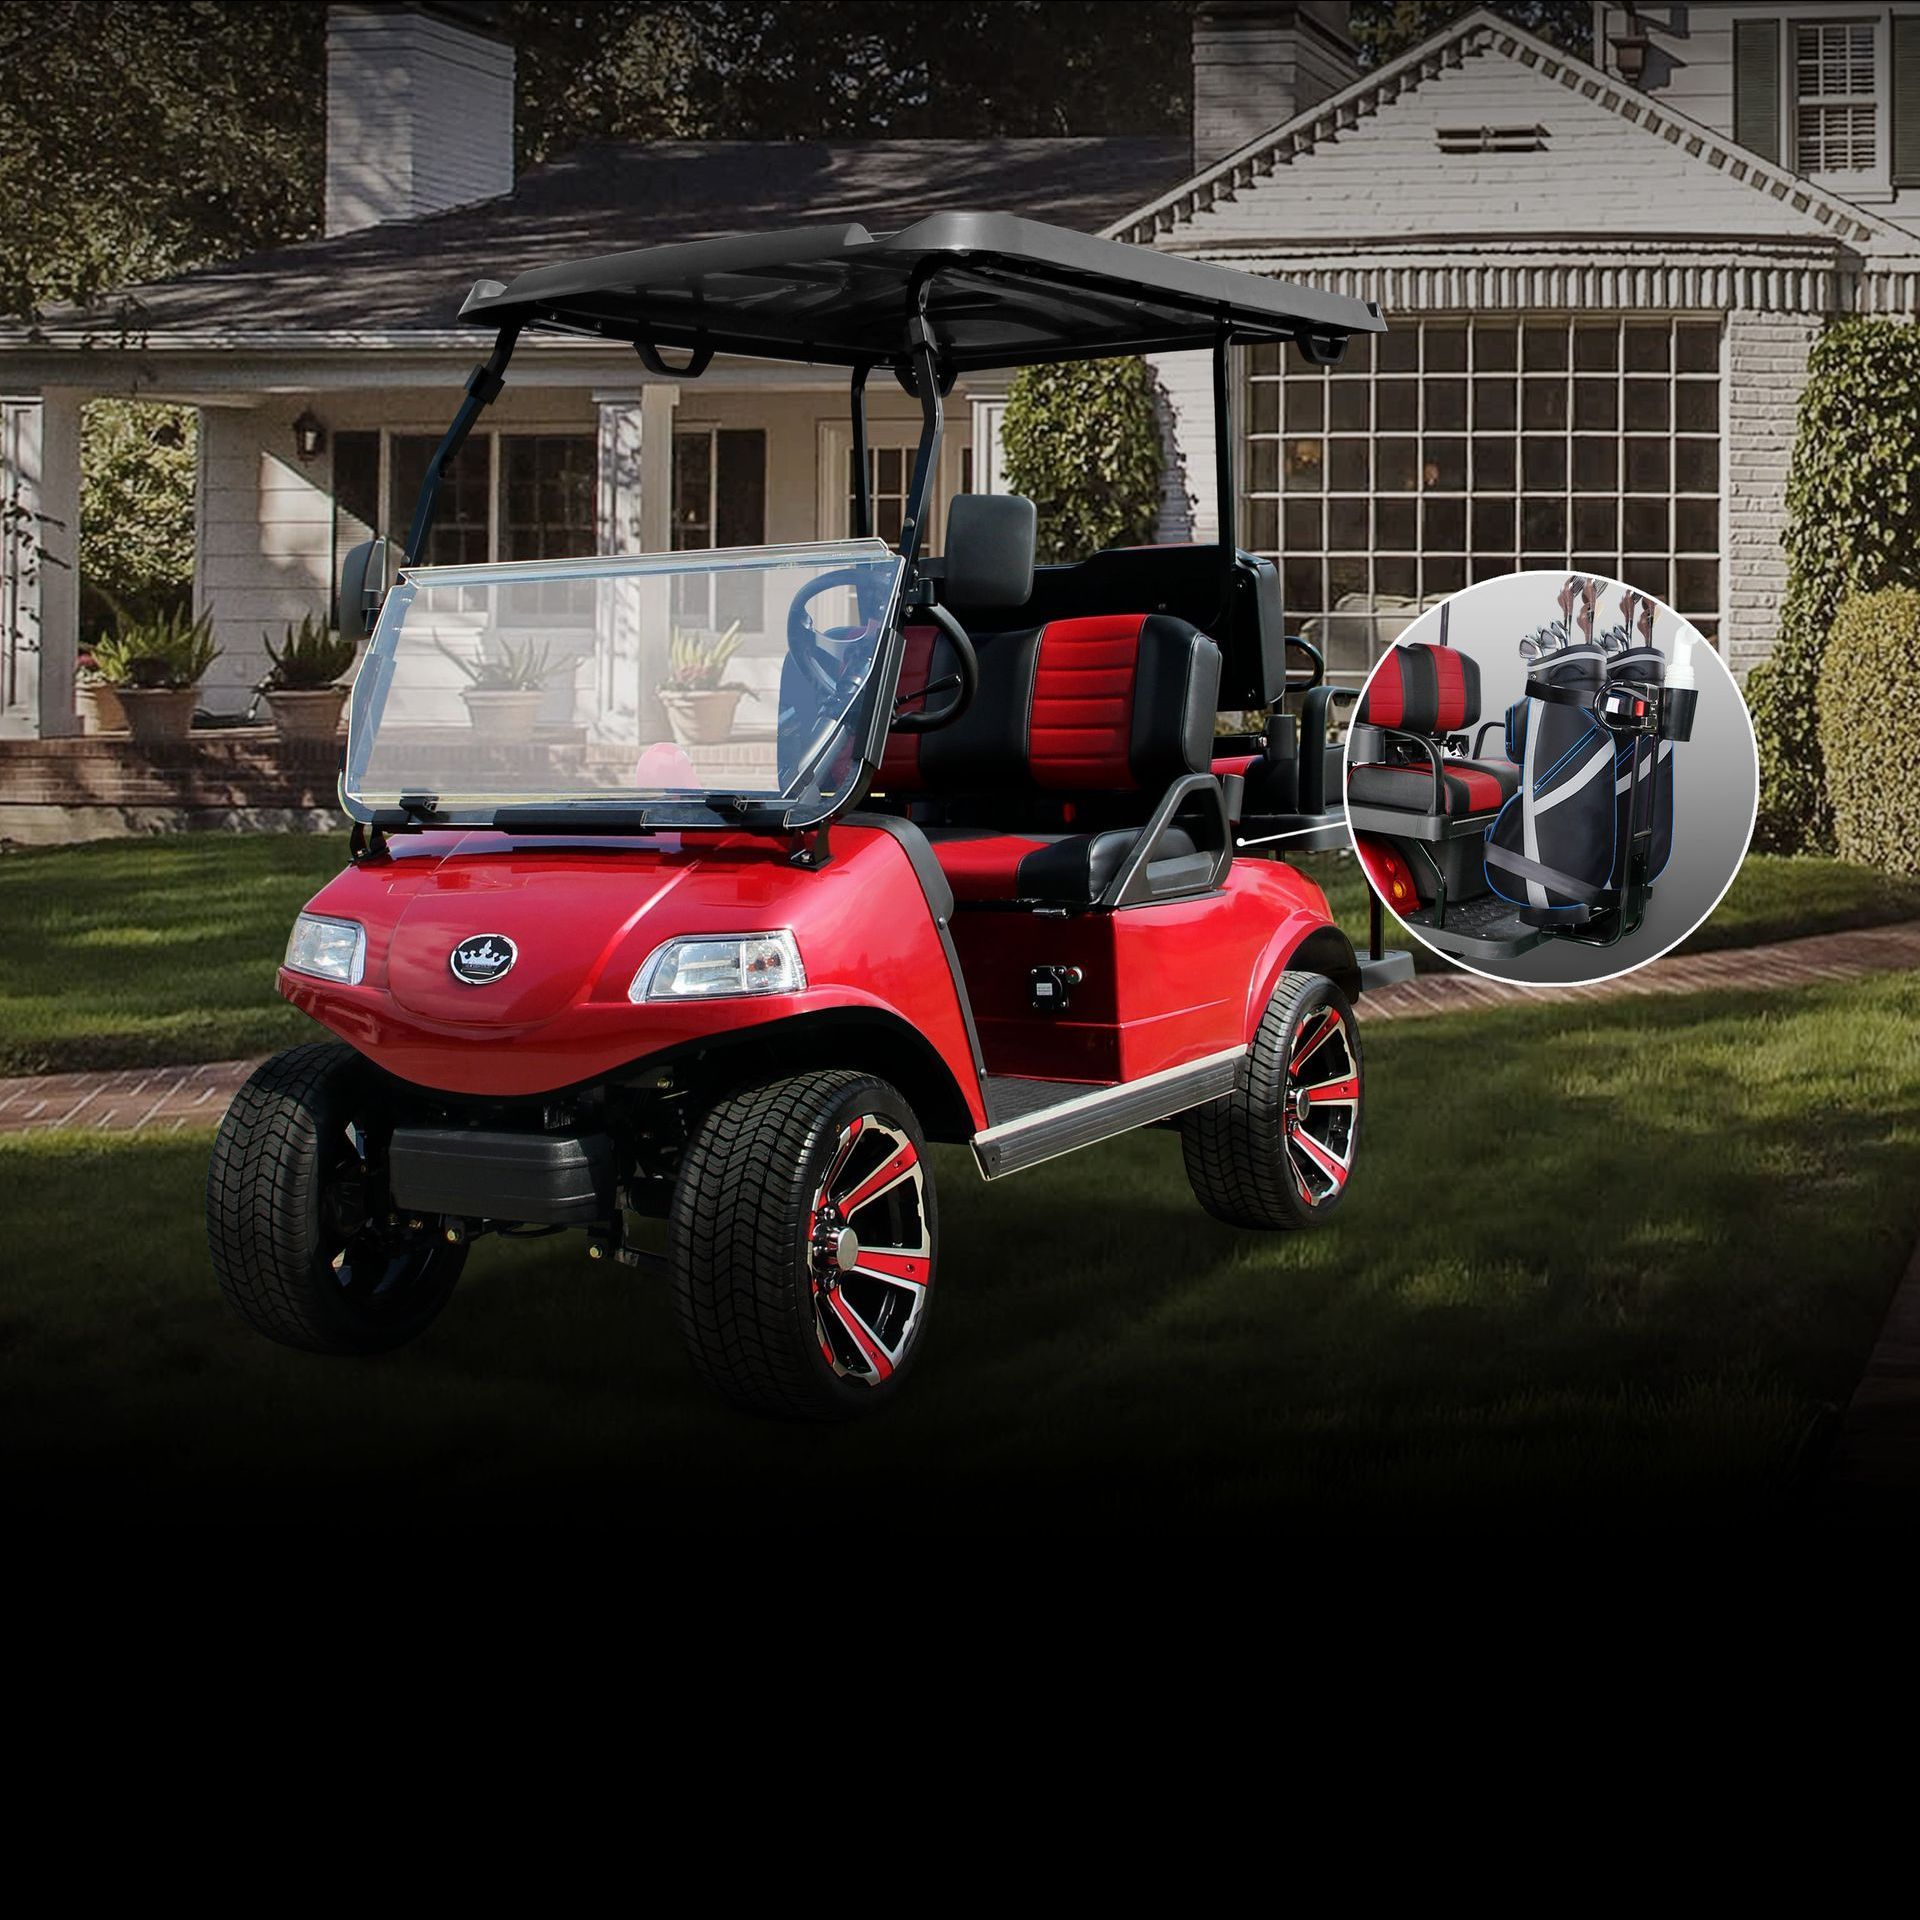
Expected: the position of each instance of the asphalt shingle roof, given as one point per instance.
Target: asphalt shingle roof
(412, 275)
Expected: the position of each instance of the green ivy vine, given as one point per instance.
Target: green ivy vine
(1853, 526)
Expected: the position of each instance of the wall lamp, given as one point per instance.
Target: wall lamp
(309, 436)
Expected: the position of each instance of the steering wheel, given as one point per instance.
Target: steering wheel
(821, 670)
(964, 684)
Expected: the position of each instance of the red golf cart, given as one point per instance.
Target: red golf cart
(692, 894)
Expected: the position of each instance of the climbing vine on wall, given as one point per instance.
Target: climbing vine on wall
(1083, 444)
(1853, 525)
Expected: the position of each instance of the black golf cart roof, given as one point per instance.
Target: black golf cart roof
(999, 292)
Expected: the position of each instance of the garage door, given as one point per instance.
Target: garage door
(1451, 450)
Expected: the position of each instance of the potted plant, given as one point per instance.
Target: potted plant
(94, 699)
(304, 687)
(155, 666)
(699, 699)
(503, 693)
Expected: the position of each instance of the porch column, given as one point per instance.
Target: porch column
(40, 563)
(60, 559)
(634, 514)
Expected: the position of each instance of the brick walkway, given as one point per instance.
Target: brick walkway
(140, 1099)
(1787, 963)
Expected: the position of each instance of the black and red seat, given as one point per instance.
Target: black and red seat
(1424, 699)
(1084, 735)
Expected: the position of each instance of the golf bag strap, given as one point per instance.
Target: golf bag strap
(1660, 715)
(1560, 696)
(1519, 865)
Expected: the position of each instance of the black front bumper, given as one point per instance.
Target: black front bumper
(544, 1179)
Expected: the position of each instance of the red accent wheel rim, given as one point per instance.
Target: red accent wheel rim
(1322, 1121)
(869, 1251)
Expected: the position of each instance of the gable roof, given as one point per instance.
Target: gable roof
(1823, 215)
(410, 276)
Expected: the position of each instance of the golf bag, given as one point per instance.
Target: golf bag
(1591, 825)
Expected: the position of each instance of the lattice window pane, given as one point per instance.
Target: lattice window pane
(1586, 443)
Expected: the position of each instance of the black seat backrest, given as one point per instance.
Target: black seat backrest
(989, 557)
(1112, 704)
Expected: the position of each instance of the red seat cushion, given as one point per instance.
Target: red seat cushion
(1080, 725)
(980, 864)
(1472, 786)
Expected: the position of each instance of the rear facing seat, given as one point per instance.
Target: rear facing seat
(1431, 692)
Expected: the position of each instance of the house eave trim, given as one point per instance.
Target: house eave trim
(1482, 279)
(1478, 33)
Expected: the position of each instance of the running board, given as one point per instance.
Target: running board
(1089, 1117)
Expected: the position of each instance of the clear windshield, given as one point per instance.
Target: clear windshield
(670, 681)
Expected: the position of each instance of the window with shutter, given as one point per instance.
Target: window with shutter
(1906, 100)
(1836, 110)
(1756, 86)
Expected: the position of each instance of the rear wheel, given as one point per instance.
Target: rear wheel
(801, 1241)
(297, 1221)
(1279, 1150)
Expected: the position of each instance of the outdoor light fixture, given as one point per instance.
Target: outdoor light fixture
(1630, 49)
(309, 436)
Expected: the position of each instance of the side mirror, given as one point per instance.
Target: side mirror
(363, 587)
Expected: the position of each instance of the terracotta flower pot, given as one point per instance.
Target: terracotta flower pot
(307, 713)
(158, 714)
(507, 717)
(702, 719)
(99, 708)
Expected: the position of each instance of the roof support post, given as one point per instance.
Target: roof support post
(483, 387)
(1226, 467)
(862, 475)
(926, 461)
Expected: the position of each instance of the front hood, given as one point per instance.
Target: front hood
(565, 910)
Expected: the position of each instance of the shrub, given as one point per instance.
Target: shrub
(1869, 728)
(697, 661)
(1853, 525)
(311, 657)
(1082, 442)
(523, 668)
(167, 650)
(136, 511)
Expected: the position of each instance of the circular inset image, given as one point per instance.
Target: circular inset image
(1551, 778)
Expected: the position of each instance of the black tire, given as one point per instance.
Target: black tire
(296, 1218)
(1246, 1163)
(770, 1319)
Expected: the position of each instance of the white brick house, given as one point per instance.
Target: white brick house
(1601, 304)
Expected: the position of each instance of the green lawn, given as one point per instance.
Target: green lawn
(130, 953)
(1601, 1263)
(143, 952)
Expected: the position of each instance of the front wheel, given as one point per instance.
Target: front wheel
(801, 1244)
(1279, 1150)
(303, 1243)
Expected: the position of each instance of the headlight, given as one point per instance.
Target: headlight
(328, 949)
(712, 969)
